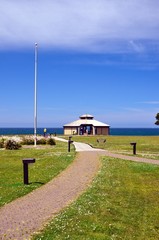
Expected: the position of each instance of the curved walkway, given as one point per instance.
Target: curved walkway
(129, 158)
(80, 147)
(27, 215)
(24, 216)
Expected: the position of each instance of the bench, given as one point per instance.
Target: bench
(101, 140)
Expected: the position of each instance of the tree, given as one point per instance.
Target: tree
(157, 118)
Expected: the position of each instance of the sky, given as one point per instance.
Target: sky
(94, 57)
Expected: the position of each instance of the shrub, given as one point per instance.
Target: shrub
(2, 143)
(51, 141)
(27, 141)
(41, 141)
(12, 145)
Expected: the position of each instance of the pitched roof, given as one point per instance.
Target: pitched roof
(86, 120)
(86, 116)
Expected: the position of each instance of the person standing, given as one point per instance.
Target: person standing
(45, 132)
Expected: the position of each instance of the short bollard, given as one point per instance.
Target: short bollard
(27, 161)
(69, 143)
(134, 147)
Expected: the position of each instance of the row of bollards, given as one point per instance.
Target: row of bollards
(28, 161)
(132, 143)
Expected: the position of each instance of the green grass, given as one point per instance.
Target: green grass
(147, 146)
(50, 161)
(122, 203)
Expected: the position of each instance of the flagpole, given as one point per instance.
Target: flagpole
(35, 94)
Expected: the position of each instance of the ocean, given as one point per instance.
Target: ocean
(59, 131)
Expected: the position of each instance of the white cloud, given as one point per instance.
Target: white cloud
(150, 102)
(89, 25)
(137, 47)
(130, 109)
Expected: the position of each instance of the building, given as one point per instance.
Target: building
(86, 125)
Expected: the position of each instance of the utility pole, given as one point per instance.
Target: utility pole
(35, 94)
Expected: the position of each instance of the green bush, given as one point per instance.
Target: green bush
(2, 143)
(12, 145)
(51, 141)
(41, 141)
(27, 141)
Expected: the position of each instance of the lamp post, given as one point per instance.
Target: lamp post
(35, 94)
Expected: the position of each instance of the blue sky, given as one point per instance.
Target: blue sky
(96, 57)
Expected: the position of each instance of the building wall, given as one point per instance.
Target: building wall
(70, 130)
(102, 130)
(98, 131)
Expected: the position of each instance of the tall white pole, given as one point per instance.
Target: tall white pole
(35, 94)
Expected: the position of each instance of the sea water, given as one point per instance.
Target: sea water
(59, 131)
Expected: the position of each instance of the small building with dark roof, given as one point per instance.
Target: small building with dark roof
(86, 125)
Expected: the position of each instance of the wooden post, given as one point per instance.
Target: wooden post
(134, 147)
(25, 168)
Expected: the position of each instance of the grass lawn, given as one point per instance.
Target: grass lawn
(122, 203)
(147, 146)
(50, 161)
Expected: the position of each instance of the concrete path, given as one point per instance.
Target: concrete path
(129, 158)
(86, 147)
(80, 147)
(60, 139)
